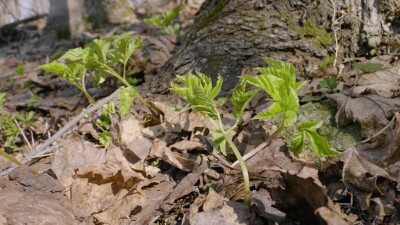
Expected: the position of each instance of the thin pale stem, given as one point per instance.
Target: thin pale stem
(243, 167)
(126, 83)
(84, 91)
(261, 146)
(9, 157)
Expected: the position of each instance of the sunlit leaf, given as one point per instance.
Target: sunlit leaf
(297, 142)
(55, 68)
(219, 140)
(126, 98)
(272, 111)
(240, 99)
(320, 144)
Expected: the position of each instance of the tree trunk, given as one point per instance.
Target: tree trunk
(70, 17)
(230, 36)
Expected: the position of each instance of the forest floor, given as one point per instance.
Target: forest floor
(168, 172)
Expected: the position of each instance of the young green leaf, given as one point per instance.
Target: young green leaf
(126, 98)
(198, 91)
(3, 97)
(33, 99)
(219, 140)
(269, 84)
(297, 142)
(164, 19)
(55, 68)
(319, 143)
(20, 69)
(105, 138)
(328, 82)
(76, 55)
(368, 67)
(100, 48)
(240, 99)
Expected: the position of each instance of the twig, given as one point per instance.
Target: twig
(334, 22)
(42, 149)
(381, 131)
(23, 134)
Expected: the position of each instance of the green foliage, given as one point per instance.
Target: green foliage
(103, 124)
(33, 99)
(95, 61)
(319, 143)
(164, 21)
(324, 64)
(20, 69)
(368, 67)
(126, 98)
(279, 81)
(328, 82)
(198, 91)
(3, 97)
(10, 141)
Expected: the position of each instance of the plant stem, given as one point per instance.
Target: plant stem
(243, 167)
(84, 91)
(126, 83)
(5, 154)
(261, 146)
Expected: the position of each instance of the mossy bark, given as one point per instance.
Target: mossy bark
(230, 36)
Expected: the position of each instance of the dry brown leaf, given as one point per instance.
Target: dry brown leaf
(370, 111)
(177, 160)
(36, 203)
(186, 145)
(263, 204)
(385, 83)
(218, 210)
(365, 179)
(75, 153)
(184, 187)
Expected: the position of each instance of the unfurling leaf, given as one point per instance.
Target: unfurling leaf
(240, 99)
(126, 98)
(199, 92)
(55, 67)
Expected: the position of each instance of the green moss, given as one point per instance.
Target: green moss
(321, 37)
(324, 64)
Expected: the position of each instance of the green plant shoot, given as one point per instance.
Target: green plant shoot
(200, 93)
(3, 97)
(279, 81)
(101, 57)
(164, 21)
(328, 82)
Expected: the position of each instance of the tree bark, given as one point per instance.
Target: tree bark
(230, 36)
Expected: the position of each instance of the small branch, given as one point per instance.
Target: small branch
(381, 131)
(334, 22)
(41, 149)
(23, 134)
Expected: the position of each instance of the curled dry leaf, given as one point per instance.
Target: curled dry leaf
(385, 83)
(366, 180)
(370, 111)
